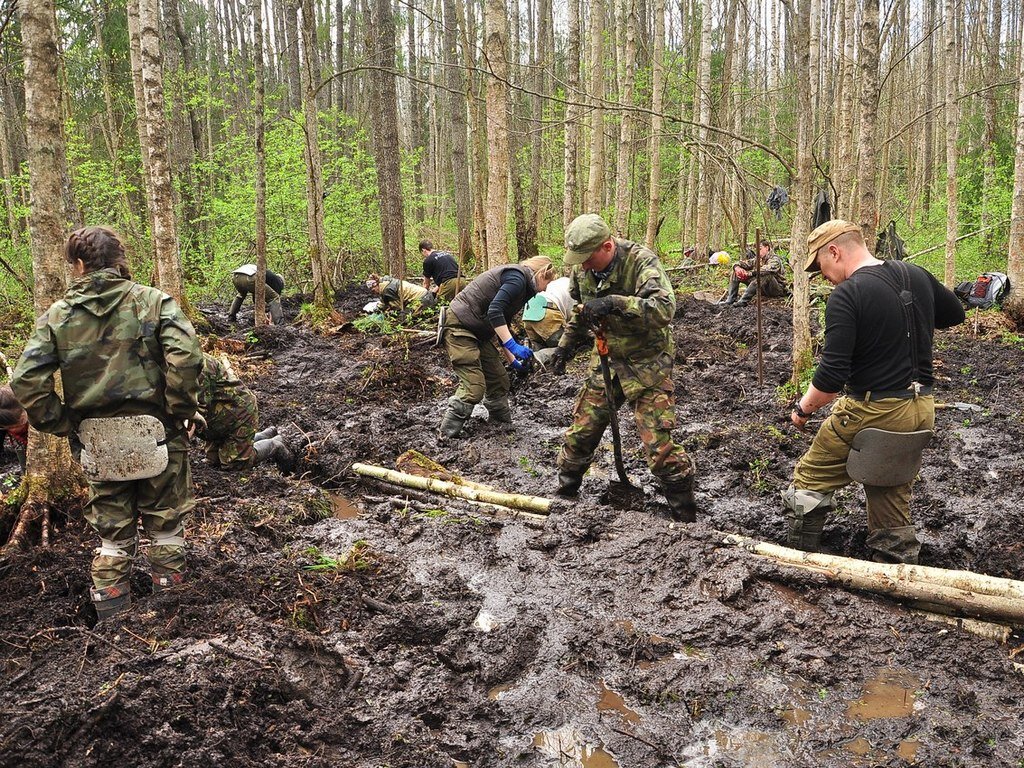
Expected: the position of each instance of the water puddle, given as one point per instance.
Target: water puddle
(610, 701)
(342, 508)
(749, 748)
(908, 749)
(796, 716)
(570, 749)
(889, 695)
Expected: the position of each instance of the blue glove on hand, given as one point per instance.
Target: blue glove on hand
(521, 353)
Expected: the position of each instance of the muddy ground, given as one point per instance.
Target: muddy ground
(329, 622)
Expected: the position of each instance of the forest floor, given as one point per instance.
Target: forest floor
(328, 622)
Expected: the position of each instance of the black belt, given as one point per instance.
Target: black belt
(899, 394)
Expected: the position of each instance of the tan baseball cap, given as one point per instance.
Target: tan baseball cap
(822, 236)
(583, 236)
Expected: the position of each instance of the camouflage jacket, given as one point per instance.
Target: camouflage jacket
(640, 344)
(122, 349)
(223, 399)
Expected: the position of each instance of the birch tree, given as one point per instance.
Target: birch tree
(496, 51)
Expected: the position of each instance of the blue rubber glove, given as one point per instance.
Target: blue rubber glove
(521, 353)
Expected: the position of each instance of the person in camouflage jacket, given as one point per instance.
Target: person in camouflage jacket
(772, 277)
(122, 349)
(624, 289)
(232, 416)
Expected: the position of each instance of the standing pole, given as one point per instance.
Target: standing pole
(757, 282)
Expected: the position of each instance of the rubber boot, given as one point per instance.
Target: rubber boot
(266, 434)
(276, 312)
(275, 449)
(679, 495)
(455, 417)
(894, 545)
(748, 295)
(498, 410)
(165, 581)
(110, 601)
(235, 306)
(807, 513)
(730, 297)
(569, 482)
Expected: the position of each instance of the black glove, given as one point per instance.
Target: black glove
(596, 310)
(559, 360)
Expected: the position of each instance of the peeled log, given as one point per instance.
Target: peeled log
(974, 594)
(513, 500)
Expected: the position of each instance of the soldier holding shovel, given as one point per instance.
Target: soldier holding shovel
(625, 291)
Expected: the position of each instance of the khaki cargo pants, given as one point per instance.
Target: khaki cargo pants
(450, 288)
(823, 467)
(114, 510)
(546, 331)
(478, 364)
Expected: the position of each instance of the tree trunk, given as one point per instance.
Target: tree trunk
(339, 56)
(867, 160)
(415, 112)
(595, 184)
(50, 472)
(703, 191)
(802, 189)
(657, 105)
(570, 160)
(152, 111)
(1015, 259)
(623, 165)
(496, 53)
(259, 89)
(952, 132)
(323, 282)
(460, 157)
(291, 28)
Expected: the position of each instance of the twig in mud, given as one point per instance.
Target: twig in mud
(83, 631)
(309, 442)
(226, 649)
(378, 605)
(638, 738)
(353, 683)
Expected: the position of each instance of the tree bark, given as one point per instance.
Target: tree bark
(623, 164)
(657, 105)
(293, 67)
(868, 161)
(952, 113)
(380, 44)
(703, 191)
(457, 105)
(496, 52)
(570, 160)
(802, 189)
(259, 89)
(1014, 304)
(595, 183)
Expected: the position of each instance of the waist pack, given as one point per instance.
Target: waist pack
(987, 291)
(122, 448)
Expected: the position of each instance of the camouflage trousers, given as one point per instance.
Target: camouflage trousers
(450, 288)
(478, 364)
(230, 429)
(114, 510)
(654, 410)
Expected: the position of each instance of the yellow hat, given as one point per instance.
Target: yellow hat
(822, 236)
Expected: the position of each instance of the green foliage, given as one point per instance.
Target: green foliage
(361, 557)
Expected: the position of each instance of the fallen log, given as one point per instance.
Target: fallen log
(448, 488)
(414, 462)
(973, 594)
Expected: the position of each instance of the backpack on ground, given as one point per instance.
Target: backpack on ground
(987, 291)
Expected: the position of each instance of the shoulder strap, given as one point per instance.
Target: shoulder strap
(906, 298)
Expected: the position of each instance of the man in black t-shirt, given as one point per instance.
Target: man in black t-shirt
(879, 349)
(443, 269)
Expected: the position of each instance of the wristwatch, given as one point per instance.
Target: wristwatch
(800, 411)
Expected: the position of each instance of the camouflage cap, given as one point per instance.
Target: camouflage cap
(583, 236)
(822, 236)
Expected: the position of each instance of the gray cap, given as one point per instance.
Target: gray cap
(583, 236)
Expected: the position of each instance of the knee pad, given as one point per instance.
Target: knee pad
(801, 501)
(108, 548)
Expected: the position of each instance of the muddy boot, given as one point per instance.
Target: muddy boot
(730, 297)
(165, 581)
(679, 495)
(455, 417)
(807, 512)
(266, 434)
(275, 449)
(569, 482)
(894, 545)
(110, 601)
(276, 312)
(498, 411)
(235, 306)
(748, 295)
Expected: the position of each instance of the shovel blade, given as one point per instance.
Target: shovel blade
(623, 495)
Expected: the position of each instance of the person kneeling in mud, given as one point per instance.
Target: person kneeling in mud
(232, 416)
(397, 295)
(772, 280)
(244, 280)
(13, 424)
(545, 317)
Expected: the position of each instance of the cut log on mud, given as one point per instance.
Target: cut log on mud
(448, 488)
(970, 593)
(415, 463)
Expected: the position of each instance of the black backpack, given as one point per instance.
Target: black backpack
(987, 291)
(890, 245)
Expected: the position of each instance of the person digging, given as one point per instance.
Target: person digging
(623, 289)
(879, 324)
(244, 280)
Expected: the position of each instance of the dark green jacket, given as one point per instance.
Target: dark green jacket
(122, 349)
